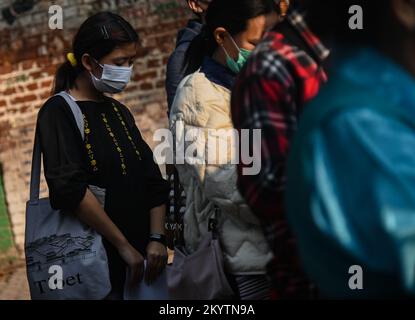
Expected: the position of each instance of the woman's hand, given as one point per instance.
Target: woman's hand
(156, 261)
(134, 261)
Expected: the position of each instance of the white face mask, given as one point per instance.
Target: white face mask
(114, 79)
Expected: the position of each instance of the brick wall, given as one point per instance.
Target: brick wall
(29, 55)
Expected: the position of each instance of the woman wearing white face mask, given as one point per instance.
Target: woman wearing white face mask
(113, 156)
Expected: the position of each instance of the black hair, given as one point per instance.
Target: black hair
(98, 36)
(233, 15)
(330, 19)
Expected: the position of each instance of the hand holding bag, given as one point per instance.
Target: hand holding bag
(65, 258)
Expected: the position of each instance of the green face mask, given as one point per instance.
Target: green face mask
(243, 55)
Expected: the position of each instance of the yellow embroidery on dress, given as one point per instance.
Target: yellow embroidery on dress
(117, 146)
(88, 146)
(126, 131)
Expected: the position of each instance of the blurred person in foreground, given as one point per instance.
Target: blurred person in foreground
(351, 178)
(284, 72)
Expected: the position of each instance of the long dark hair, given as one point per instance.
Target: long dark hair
(98, 36)
(233, 15)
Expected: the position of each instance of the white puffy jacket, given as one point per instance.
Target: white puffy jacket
(200, 105)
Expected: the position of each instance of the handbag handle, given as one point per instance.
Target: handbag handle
(37, 153)
(213, 223)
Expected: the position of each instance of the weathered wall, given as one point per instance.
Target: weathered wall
(29, 55)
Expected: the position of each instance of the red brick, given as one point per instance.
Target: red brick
(154, 63)
(146, 86)
(5, 68)
(24, 109)
(36, 74)
(47, 84)
(45, 95)
(9, 91)
(24, 99)
(131, 88)
(27, 65)
(145, 75)
(32, 86)
(160, 84)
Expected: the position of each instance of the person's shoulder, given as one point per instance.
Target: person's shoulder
(191, 82)
(54, 106)
(185, 92)
(193, 97)
(198, 87)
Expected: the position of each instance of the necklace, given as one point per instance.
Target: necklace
(88, 146)
(115, 140)
(117, 145)
(126, 131)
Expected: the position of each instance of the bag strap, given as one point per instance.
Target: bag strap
(213, 223)
(37, 153)
(76, 111)
(35, 172)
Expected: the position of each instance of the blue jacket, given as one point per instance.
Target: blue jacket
(176, 63)
(351, 179)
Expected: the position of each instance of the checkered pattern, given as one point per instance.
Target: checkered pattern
(269, 93)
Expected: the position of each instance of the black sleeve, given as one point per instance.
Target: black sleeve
(64, 155)
(157, 187)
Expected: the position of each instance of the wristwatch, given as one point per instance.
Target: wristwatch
(158, 238)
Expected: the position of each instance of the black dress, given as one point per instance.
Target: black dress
(113, 156)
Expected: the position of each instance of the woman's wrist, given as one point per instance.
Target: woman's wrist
(157, 220)
(157, 237)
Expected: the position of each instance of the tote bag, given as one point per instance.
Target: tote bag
(200, 275)
(65, 258)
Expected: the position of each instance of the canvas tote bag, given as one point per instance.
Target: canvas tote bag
(65, 258)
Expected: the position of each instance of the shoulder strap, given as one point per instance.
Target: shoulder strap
(76, 111)
(35, 172)
(36, 156)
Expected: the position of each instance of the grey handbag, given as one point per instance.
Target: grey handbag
(200, 275)
(65, 258)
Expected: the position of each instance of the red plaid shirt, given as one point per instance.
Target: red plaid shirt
(269, 93)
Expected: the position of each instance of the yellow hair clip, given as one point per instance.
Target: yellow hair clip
(72, 59)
